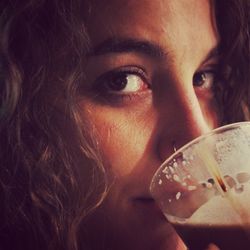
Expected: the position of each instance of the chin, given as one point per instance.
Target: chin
(168, 239)
(146, 230)
(163, 237)
(133, 231)
(162, 241)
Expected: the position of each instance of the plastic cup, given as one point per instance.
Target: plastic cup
(203, 189)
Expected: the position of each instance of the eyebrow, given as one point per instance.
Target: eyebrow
(213, 53)
(116, 45)
(148, 48)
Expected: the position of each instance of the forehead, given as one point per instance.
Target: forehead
(128, 17)
(183, 28)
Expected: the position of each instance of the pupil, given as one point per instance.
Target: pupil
(118, 82)
(199, 79)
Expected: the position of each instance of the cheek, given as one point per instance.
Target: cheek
(211, 112)
(124, 140)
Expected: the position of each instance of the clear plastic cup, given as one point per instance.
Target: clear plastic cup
(203, 189)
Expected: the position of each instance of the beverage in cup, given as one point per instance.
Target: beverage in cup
(203, 189)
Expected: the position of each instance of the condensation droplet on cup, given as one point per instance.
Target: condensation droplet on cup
(191, 188)
(175, 164)
(178, 195)
(171, 170)
(176, 178)
(165, 170)
(209, 185)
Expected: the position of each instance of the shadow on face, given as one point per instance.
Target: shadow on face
(150, 77)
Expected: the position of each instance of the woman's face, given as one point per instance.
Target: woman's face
(149, 88)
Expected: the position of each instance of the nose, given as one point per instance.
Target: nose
(181, 121)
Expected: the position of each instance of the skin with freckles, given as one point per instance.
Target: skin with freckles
(149, 84)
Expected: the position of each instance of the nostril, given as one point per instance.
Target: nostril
(177, 137)
(174, 146)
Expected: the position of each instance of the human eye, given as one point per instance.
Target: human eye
(126, 82)
(204, 79)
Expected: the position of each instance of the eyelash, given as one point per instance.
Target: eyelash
(204, 75)
(103, 84)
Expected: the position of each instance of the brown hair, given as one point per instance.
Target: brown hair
(233, 22)
(51, 175)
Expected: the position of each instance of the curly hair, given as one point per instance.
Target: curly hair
(51, 175)
(51, 172)
(233, 22)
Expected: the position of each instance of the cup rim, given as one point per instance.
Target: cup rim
(196, 140)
